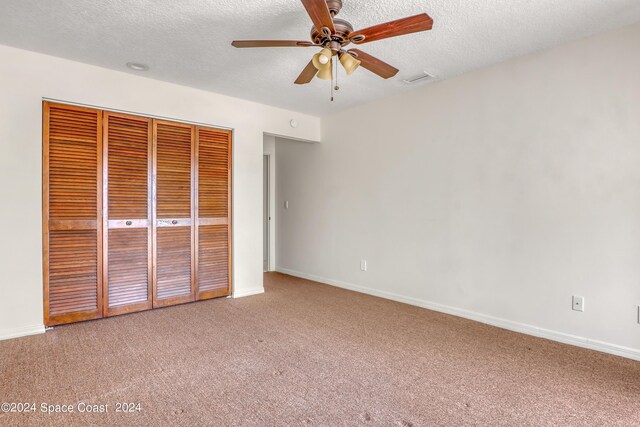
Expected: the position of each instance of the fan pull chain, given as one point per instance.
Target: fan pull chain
(337, 87)
(334, 75)
(332, 83)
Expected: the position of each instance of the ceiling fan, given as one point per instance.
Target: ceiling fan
(333, 35)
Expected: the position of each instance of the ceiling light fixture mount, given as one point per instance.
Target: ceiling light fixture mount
(137, 66)
(335, 6)
(333, 34)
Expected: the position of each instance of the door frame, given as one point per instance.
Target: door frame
(269, 150)
(266, 209)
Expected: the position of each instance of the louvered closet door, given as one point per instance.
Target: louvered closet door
(214, 212)
(174, 274)
(71, 213)
(127, 153)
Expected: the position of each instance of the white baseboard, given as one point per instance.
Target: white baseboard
(535, 331)
(248, 292)
(6, 334)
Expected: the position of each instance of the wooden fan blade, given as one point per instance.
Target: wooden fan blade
(375, 65)
(307, 74)
(412, 24)
(270, 43)
(319, 13)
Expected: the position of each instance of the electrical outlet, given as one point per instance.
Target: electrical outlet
(286, 204)
(578, 303)
(363, 265)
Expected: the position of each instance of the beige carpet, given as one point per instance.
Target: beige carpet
(310, 354)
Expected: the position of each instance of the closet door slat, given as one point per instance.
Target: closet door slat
(72, 232)
(214, 212)
(127, 154)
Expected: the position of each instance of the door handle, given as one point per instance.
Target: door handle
(169, 222)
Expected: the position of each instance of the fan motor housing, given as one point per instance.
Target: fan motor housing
(341, 36)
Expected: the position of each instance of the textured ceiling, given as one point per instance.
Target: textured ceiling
(188, 41)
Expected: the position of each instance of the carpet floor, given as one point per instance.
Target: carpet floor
(305, 353)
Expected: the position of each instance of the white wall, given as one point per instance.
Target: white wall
(496, 195)
(26, 77)
(270, 150)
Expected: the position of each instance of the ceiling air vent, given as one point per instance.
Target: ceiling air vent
(419, 78)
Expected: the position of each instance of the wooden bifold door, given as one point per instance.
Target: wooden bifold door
(174, 214)
(136, 213)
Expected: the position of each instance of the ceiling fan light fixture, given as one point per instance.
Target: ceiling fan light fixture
(326, 72)
(320, 60)
(349, 63)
